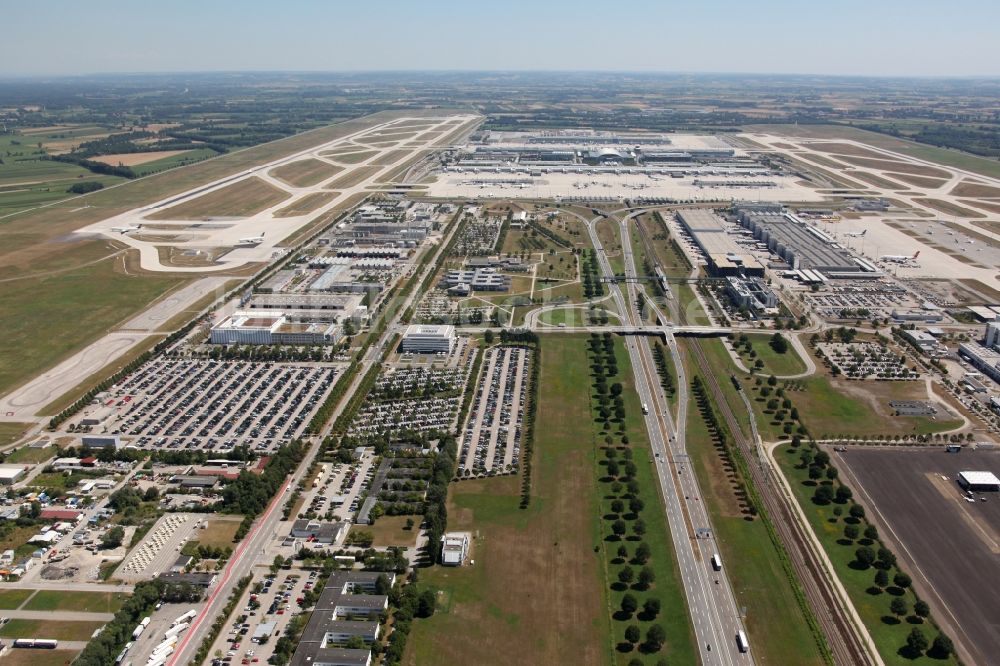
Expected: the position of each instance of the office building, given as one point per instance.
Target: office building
(426, 339)
(725, 256)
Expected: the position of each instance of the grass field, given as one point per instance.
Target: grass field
(568, 316)
(949, 208)
(98, 295)
(241, 199)
(12, 599)
(608, 234)
(889, 637)
(777, 629)
(59, 630)
(303, 173)
(29, 455)
(391, 531)
(349, 158)
(11, 432)
(353, 177)
(788, 363)
(220, 531)
(307, 204)
(83, 602)
(39, 657)
(535, 592)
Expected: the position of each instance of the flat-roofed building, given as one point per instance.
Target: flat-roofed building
(984, 359)
(101, 442)
(725, 256)
(979, 481)
(455, 548)
(427, 339)
(11, 474)
(751, 293)
(799, 244)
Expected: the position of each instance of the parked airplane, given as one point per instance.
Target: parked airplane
(252, 241)
(899, 258)
(125, 230)
(857, 234)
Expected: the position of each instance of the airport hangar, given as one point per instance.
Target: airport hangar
(979, 481)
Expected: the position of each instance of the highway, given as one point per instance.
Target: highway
(711, 604)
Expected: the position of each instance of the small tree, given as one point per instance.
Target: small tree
(899, 607)
(864, 556)
(916, 642)
(857, 511)
(921, 609)
(942, 648)
(655, 637)
(632, 634)
(622, 552)
(629, 604)
(881, 579)
(626, 575)
(643, 553)
(618, 527)
(902, 580)
(850, 532)
(651, 607)
(871, 532)
(426, 603)
(646, 578)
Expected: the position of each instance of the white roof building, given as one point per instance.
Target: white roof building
(426, 339)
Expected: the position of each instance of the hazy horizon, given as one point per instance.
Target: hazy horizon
(890, 39)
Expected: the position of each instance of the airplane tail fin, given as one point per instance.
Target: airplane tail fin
(916, 254)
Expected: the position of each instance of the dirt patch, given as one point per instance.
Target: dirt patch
(135, 159)
(969, 189)
(990, 206)
(844, 149)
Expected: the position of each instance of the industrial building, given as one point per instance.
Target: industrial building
(992, 334)
(273, 328)
(348, 594)
(751, 293)
(480, 279)
(923, 340)
(344, 303)
(426, 339)
(979, 481)
(984, 359)
(725, 256)
(318, 531)
(101, 442)
(10, 474)
(801, 245)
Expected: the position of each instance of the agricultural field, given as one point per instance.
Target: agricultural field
(241, 199)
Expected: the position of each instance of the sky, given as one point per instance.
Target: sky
(832, 37)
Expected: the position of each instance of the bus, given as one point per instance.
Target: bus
(741, 641)
(716, 562)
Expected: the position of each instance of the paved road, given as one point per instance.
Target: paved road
(711, 605)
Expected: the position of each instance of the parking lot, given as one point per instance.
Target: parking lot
(491, 442)
(414, 397)
(948, 544)
(272, 599)
(337, 497)
(211, 405)
(864, 360)
(160, 548)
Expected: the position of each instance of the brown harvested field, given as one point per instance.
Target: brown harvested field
(353, 177)
(948, 208)
(877, 180)
(307, 204)
(303, 173)
(894, 166)
(241, 199)
(955, 563)
(351, 158)
(844, 149)
(920, 181)
(135, 159)
(991, 206)
(969, 189)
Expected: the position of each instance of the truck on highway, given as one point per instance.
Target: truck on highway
(716, 562)
(741, 641)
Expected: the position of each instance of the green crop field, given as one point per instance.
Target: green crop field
(12, 599)
(174, 161)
